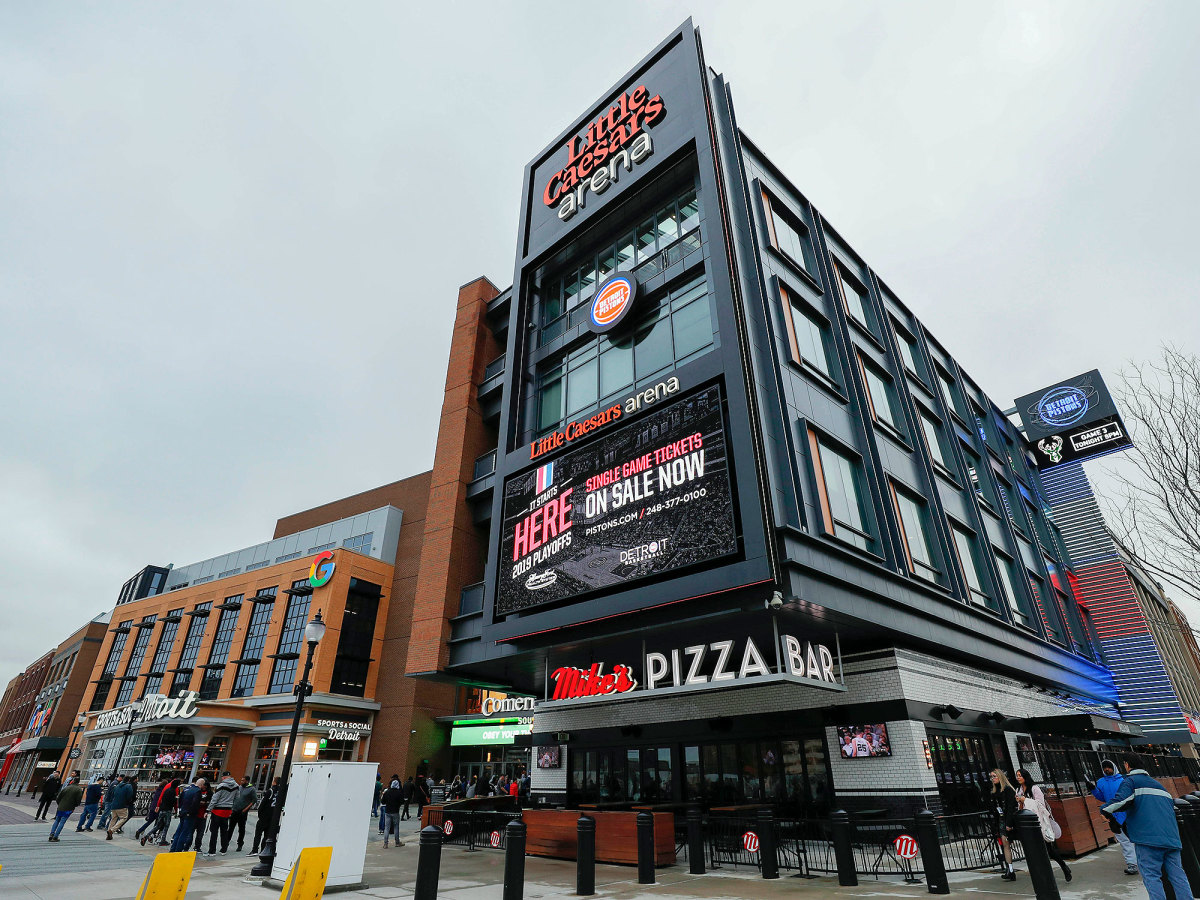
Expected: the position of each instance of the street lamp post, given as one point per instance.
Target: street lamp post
(133, 717)
(74, 737)
(313, 632)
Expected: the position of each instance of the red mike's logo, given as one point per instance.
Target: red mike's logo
(571, 683)
(612, 302)
(594, 160)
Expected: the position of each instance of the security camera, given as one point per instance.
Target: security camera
(776, 601)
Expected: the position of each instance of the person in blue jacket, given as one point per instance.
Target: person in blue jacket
(1150, 822)
(1104, 790)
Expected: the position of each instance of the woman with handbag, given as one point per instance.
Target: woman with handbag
(1032, 797)
(1004, 802)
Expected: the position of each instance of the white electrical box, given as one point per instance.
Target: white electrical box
(328, 805)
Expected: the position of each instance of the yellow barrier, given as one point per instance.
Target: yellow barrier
(168, 877)
(306, 881)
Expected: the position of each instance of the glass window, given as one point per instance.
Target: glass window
(879, 393)
(692, 327)
(191, 648)
(1016, 602)
(581, 386)
(210, 686)
(616, 369)
(839, 484)
(807, 335)
(908, 352)
(353, 659)
(946, 385)
(550, 403)
(133, 668)
(933, 438)
(283, 673)
(252, 647)
(791, 235)
(689, 212)
(916, 539)
(652, 350)
(854, 298)
(964, 543)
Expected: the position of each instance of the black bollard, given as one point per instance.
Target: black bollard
(645, 847)
(925, 823)
(429, 863)
(1187, 854)
(514, 860)
(695, 841)
(843, 849)
(585, 857)
(1037, 858)
(767, 852)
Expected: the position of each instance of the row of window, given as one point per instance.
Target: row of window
(844, 511)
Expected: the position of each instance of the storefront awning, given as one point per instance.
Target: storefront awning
(1075, 724)
(41, 743)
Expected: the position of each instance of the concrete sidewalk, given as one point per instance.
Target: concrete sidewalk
(86, 867)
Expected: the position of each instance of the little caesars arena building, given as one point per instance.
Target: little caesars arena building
(752, 534)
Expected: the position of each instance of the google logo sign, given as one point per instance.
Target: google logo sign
(322, 569)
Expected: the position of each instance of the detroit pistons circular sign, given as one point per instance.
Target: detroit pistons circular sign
(612, 302)
(906, 846)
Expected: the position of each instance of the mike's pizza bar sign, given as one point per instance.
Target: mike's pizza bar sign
(647, 498)
(1072, 421)
(724, 663)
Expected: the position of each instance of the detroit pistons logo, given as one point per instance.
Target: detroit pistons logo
(612, 302)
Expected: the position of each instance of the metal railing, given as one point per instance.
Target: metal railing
(472, 829)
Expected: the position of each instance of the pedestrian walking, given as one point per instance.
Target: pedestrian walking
(243, 802)
(68, 799)
(91, 804)
(187, 806)
(122, 807)
(409, 793)
(1105, 789)
(421, 793)
(221, 810)
(164, 804)
(472, 787)
(106, 804)
(266, 810)
(1150, 820)
(1004, 801)
(152, 810)
(1030, 796)
(389, 808)
(376, 794)
(49, 793)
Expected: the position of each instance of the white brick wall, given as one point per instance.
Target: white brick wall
(905, 770)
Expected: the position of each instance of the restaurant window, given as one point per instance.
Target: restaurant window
(789, 235)
(880, 396)
(252, 647)
(808, 336)
(353, 660)
(210, 686)
(918, 551)
(840, 491)
(283, 672)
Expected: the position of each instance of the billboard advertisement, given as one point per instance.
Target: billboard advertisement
(649, 497)
(1072, 420)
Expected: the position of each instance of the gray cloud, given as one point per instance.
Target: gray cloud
(232, 234)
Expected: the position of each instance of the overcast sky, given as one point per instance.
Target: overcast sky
(231, 235)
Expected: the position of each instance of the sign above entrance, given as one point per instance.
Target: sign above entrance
(151, 709)
(488, 735)
(493, 705)
(340, 730)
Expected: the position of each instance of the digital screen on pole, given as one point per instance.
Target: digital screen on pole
(857, 741)
(1073, 420)
(647, 498)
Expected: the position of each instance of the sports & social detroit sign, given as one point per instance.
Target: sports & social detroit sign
(648, 498)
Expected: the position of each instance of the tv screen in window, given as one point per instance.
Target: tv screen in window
(549, 757)
(857, 741)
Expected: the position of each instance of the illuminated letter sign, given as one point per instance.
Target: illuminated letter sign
(322, 569)
(612, 302)
(571, 683)
(594, 160)
(1063, 406)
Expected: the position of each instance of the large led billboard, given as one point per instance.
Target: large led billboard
(649, 497)
(1072, 421)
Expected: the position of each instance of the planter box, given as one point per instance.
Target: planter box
(553, 832)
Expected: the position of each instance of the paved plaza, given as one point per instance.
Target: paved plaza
(86, 867)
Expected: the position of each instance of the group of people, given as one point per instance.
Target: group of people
(1140, 812)
(221, 810)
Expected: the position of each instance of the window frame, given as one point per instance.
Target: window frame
(829, 523)
(925, 571)
(978, 596)
(842, 274)
(891, 396)
(772, 207)
(791, 304)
